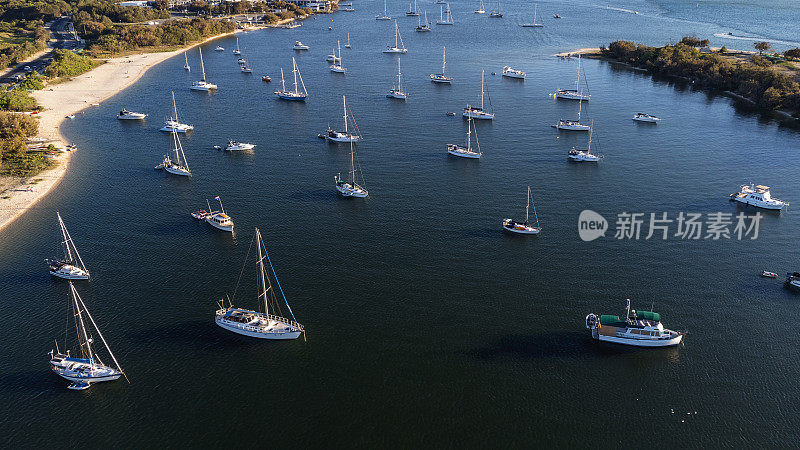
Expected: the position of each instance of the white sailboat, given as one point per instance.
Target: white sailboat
(468, 151)
(578, 155)
(244, 65)
(87, 368)
(269, 324)
(534, 24)
(174, 123)
(441, 77)
(398, 46)
(351, 188)
(385, 15)
(219, 219)
(202, 85)
(480, 9)
(236, 51)
(294, 94)
(412, 9)
(574, 94)
(422, 28)
(445, 16)
(496, 12)
(71, 266)
(524, 227)
(475, 112)
(573, 125)
(178, 166)
(348, 41)
(342, 136)
(397, 91)
(338, 67)
(186, 65)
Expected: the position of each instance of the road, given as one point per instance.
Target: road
(61, 36)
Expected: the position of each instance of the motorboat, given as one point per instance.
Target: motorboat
(513, 226)
(767, 274)
(130, 115)
(219, 49)
(300, 46)
(478, 112)
(468, 151)
(398, 46)
(793, 280)
(239, 146)
(71, 266)
(441, 77)
(200, 214)
(342, 136)
(219, 219)
(266, 78)
(202, 84)
(637, 328)
(642, 117)
(759, 196)
(508, 72)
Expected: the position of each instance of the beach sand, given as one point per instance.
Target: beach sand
(64, 99)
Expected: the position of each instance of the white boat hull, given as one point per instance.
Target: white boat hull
(204, 87)
(479, 115)
(640, 342)
(572, 95)
(70, 272)
(338, 69)
(347, 191)
(462, 152)
(245, 330)
(395, 50)
(646, 119)
(514, 75)
(349, 138)
(572, 126)
(760, 204)
(531, 25)
(178, 128)
(397, 95)
(178, 171)
(228, 228)
(519, 228)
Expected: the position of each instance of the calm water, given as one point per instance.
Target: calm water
(426, 324)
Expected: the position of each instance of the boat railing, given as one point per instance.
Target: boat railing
(221, 312)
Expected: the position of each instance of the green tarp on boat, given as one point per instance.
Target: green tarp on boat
(612, 321)
(648, 315)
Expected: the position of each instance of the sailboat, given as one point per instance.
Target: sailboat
(244, 66)
(524, 227)
(294, 94)
(423, 28)
(441, 77)
(179, 166)
(186, 65)
(338, 68)
(202, 85)
(350, 188)
(397, 91)
(348, 41)
(412, 11)
(466, 152)
(385, 15)
(269, 324)
(70, 267)
(475, 112)
(480, 9)
(398, 47)
(342, 136)
(496, 12)
(573, 125)
(577, 155)
(236, 51)
(445, 16)
(534, 24)
(88, 368)
(574, 94)
(173, 123)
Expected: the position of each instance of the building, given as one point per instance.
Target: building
(314, 5)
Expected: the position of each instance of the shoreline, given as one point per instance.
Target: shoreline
(71, 97)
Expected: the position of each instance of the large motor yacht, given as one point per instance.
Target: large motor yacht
(758, 196)
(638, 328)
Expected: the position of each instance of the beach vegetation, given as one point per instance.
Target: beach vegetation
(17, 100)
(69, 64)
(32, 82)
(762, 47)
(764, 85)
(694, 41)
(21, 40)
(14, 130)
(793, 53)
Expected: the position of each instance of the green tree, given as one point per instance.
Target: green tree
(792, 53)
(762, 47)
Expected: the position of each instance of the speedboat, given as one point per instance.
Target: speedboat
(130, 115)
(300, 46)
(638, 328)
(767, 274)
(219, 49)
(237, 146)
(513, 73)
(171, 124)
(642, 117)
(340, 136)
(266, 78)
(758, 196)
(793, 280)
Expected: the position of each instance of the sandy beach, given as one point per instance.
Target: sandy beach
(61, 100)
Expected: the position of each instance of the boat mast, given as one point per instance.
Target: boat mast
(578, 80)
(352, 165)
(283, 83)
(294, 72)
(339, 45)
(469, 131)
(528, 205)
(384, 9)
(591, 131)
(396, 33)
(444, 50)
(482, 72)
(399, 87)
(174, 107)
(534, 13)
(580, 103)
(261, 267)
(81, 327)
(70, 246)
(220, 205)
(202, 66)
(344, 115)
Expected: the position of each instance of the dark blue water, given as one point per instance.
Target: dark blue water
(426, 324)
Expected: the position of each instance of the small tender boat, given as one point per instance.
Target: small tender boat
(642, 117)
(88, 368)
(200, 214)
(266, 78)
(759, 196)
(638, 328)
(71, 266)
(467, 152)
(219, 219)
(398, 46)
(130, 115)
(219, 49)
(793, 280)
(234, 146)
(524, 227)
(351, 188)
(441, 77)
(767, 274)
(300, 46)
(451, 114)
(513, 73)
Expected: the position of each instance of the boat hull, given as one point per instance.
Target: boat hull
(71, 273)
(291, 97)
(236, 328)
(462, 153)
(82, 372)
(178, 171)
(572, 126)
(478, 115)
(572, 95)
(514, 75)
(762, 205)
(645, 119)
(228, 228)
(346, 191)
(640, 342)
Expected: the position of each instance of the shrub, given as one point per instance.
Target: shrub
(69, 64)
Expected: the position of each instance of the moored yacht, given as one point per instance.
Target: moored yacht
(236, 51)
(412, 9)
(759, 196)
(533, 24)
(476, 112)
(508, 72)
(578, 155)
(350, 188)
(793, 280)
(445, 15)
(174, 123)
(295, 94)
(468, 151)
(179, 166)
(337, 66)
(573, 125)
(422, 28)
(642, 117)
(496, 12)
(219, 49)
(342, 136)
(398, 46)
(202, 84)
(523, 227)
(71, 266)
(397, 91)
(441, 77)
(638, 328)
(300, 46)
(234, 146)
(130, 115)
(574, 94)
(385, 15)
(219, 219)
(480, 9)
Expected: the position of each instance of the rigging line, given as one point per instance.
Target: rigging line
(354, 121)
(230, 300)
(276, 281)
